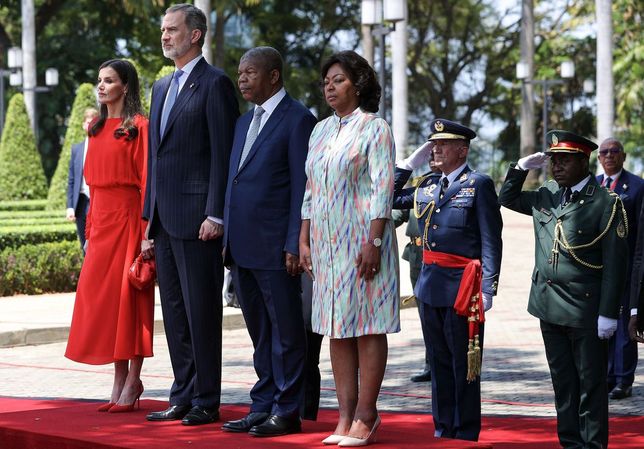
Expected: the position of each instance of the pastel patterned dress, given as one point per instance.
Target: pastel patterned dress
(350, 170)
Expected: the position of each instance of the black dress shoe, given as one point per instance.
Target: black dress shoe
(425, 376)
(621, 391)
(174, 412)
(275, 426)
(244, 424)
(200, 415)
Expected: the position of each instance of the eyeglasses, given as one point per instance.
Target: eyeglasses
(609, 150)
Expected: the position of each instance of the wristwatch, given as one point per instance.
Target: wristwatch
(375, 242)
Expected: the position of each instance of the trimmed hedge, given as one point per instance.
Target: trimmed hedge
(36, 269)
(33, 214)
(23, 205)
(26, 221)
(16, 236)
(85, 98)
(21, 174)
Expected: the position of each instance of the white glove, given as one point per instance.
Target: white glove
(419, 157)
(533, 161)
(606, 327)
(487, 302)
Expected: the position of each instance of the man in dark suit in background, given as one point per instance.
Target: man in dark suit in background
(77, 189)
(192, 119)
(264, 196)
(636, 324)
(622, 351)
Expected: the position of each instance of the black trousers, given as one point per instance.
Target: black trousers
(82, 207)
(190, 275)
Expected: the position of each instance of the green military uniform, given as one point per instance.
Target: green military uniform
(580, 268)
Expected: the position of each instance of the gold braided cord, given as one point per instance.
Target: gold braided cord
(430, 206)
(560, 239)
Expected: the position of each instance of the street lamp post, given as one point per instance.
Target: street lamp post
(567, 70)
(15, 79)
(382, 20)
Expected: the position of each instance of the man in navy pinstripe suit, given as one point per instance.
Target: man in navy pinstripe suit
(192, 120)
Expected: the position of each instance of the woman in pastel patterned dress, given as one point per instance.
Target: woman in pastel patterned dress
(347, 242)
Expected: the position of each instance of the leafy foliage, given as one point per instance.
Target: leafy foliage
(21, 172)
(85, 98)
(35, 269)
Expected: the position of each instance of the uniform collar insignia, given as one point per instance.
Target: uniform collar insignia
(463, 177)
(590, 190)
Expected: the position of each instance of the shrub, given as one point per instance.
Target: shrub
(35, 269)
(85, 98)
(23, 205)
(16, 236)
(21, 173)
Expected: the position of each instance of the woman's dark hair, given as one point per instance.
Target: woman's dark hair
(131, 105)
(361, 74)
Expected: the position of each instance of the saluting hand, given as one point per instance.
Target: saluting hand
(533, 161)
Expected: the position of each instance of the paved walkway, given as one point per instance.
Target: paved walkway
(516, 380)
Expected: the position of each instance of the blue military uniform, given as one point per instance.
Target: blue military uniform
(465, 221)
(622, 351)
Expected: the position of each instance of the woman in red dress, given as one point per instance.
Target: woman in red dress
(112, 321)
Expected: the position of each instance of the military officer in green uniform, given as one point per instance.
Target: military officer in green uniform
(581, 258)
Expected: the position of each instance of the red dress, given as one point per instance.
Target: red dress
(112, 320)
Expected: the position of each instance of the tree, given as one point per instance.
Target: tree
(85, 98)
(461, 61)
(21, 173)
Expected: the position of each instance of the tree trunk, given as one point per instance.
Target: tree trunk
(399, 110)
(204, 5)
(29, 81)
(605, 83)
(220, 24)
(528, 123)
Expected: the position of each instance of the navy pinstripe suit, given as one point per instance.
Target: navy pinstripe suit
(187, 173)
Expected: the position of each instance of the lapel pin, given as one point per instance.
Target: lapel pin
(192, 85)
(625, 187)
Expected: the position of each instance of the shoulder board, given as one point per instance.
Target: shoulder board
(418, 180)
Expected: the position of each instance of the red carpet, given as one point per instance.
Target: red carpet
(63, 424)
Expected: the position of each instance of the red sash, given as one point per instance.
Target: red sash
(469, 300)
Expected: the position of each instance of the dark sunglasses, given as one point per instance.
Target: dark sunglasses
(611, 151)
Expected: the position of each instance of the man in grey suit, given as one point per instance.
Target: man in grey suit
(77, 189)
(192, 120)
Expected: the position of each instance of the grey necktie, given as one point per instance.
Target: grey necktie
(252, 134)
(172, 96)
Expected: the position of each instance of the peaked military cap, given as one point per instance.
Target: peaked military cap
(446, 129)
(559, 141)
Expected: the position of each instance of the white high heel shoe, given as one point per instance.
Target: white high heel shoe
(355, 442)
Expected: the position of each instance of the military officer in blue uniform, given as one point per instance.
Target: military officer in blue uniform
(622, 351)
(460, 223)
(581, 258)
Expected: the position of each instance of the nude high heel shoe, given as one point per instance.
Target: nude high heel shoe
(355, 442)
(333, 439)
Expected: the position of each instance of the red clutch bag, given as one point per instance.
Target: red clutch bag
(142, 273)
